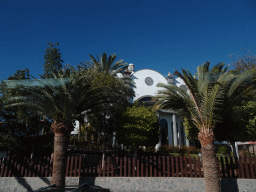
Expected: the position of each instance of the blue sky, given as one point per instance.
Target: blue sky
(161, 35)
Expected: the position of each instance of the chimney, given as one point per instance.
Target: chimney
(170, 78)
(131, 67)
(127, 73)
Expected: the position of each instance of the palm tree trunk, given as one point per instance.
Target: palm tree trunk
(59, 159)
(61, 139)
(211, 176)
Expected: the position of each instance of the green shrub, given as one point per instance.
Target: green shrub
(221, 149)
(150, 149)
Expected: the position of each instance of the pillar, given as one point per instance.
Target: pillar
(170, 132)
(175, 136)
(114, 139)
(187, 141)
(179, 134)
(158, 145)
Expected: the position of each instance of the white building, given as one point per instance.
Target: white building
(146, 81)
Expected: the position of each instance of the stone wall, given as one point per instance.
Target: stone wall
(128, 184)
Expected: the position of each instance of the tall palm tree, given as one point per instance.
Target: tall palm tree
(206, 96)
(105, 64)
(62, 99)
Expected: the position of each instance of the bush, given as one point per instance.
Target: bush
(165, 149)
(194, 150)
(150, 149)
(73, 140)
(222, 149)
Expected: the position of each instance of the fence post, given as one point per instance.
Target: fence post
(251, 168)
(164, 168)
(232, 167)
(129, 167)
(138, 168)
(155, 165)
(150, 166)
(168, 165)
(121, 166)
(134, 167)
(200, 167)
(222, 168)
(246, 167)
(181, 166)
(108, 166)
(190, 167)
(125, 162)
(227, 167)
(146, 168)
(172, 162)
(71, 167)
(195, 167)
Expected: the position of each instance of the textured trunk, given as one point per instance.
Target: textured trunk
(211, 176)
(136, 156)
(61, 139)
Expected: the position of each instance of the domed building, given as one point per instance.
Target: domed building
(146, 80)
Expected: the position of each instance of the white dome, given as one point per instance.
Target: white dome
(146, 81)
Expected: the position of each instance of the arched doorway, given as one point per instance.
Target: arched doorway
(164, 132)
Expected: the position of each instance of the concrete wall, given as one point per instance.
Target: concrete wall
(128, 184)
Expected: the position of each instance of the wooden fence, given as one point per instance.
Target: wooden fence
(113, 166)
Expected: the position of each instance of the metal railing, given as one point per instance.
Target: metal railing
(45, 188)
(85, 185)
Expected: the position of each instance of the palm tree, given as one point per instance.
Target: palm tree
(103, 66)
(62, 99)
(106, 65)
(208, 91)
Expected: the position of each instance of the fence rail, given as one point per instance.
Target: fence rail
(114, 166)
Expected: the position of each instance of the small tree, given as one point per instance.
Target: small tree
(52, 60)
(138, 126)
(245, 61)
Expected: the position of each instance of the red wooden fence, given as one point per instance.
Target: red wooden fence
(113, 166)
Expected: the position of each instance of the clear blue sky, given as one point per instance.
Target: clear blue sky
(161, 35)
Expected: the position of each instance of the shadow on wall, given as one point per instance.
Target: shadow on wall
(229, 185)
(91, 182)
(24, 183)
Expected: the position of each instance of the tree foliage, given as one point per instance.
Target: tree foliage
(211, 93)
(104, 70)
(52, 59)
(105, 64)
(138, 126)
(245, 61)
(18, 121)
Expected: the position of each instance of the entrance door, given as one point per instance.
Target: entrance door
(164, 132)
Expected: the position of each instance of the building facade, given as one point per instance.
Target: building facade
(146, 80)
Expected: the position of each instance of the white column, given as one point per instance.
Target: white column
(175, 136)
(187, 141)
(179, 133)
(114, 139)
(158, 145)
(170, 132)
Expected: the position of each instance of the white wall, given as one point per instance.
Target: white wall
(142, 89)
